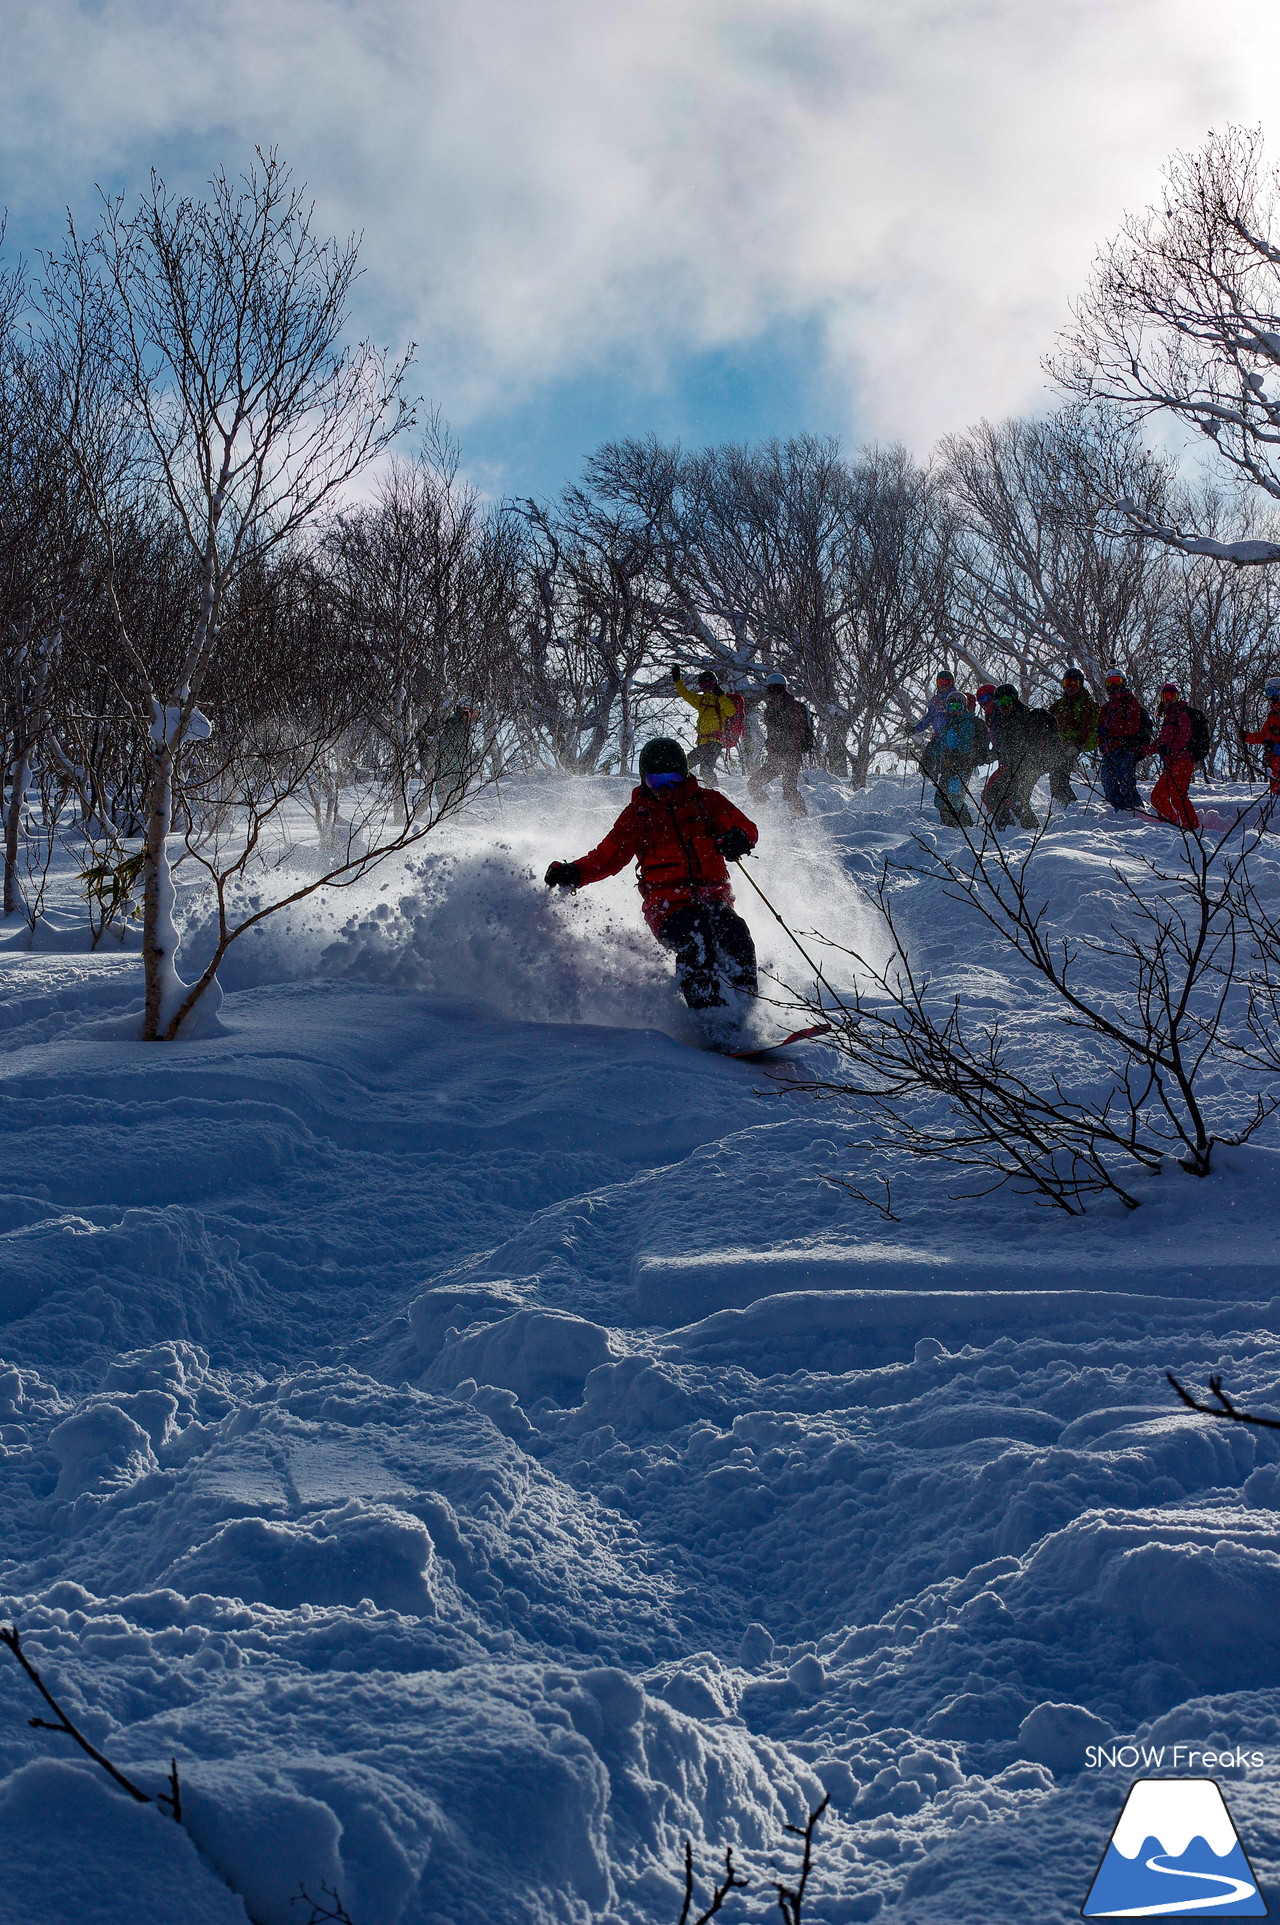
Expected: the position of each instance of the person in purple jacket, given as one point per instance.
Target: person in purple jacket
(935, 716)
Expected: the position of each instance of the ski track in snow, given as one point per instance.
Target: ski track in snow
(462, 1422)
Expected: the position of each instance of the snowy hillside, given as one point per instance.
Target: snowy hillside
(475, 1433)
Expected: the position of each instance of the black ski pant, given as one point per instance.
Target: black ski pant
(949, 772)
(704, 759)
(1007, 794)
(1118, 768)
(710, 940)
(1061, 770)
(780, 762)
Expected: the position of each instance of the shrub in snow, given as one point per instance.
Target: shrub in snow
(536, 1353)
(1167, 992)
(1057, 1734)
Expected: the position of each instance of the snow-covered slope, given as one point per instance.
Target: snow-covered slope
(475, 1433)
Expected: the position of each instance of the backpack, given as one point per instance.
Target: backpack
(810, 741)
(1201, 734)
(732, 732)
(1146, 730)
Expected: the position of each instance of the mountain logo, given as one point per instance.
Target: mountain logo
(1174, 1854)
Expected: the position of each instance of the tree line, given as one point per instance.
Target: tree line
(240, 578)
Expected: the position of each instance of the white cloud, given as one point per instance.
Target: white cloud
(548, 185)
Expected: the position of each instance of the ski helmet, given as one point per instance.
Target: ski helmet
(1272, 690)
(1072, 675)
(663, 756)
(985, 693)
(707, 679)
(775, 679)
(1170, 692)
(944, 679)
(1006, 693)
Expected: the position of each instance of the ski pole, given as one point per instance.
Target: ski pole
(788, 931)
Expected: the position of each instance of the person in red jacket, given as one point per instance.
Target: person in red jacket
(1123, 732)
(682, 836)
(1268, 736)
(1169, 798)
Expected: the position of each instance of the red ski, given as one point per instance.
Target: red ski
(767, 1049)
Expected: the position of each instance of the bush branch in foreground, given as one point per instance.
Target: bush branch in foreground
(1164, 1001)
(10, 1638)
(1221, 1405)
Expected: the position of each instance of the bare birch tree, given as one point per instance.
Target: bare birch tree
(1182, 316)
(203, 339)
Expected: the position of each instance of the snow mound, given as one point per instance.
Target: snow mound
(341, 1556)
(72, 1847)
(535, 1353)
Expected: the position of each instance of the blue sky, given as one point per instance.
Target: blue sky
(708, 219)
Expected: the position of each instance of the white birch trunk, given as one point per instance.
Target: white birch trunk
(19, 776)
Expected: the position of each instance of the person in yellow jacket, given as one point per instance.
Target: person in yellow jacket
(715, 711)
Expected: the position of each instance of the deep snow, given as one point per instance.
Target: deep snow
(474, 1432)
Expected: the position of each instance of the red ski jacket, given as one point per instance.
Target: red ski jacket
(1120, 722)
(671, 834)
(1268, 735)
(1174, 738)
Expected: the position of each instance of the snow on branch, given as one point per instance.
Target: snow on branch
(1241, 554)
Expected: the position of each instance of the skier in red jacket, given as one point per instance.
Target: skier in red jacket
(1268, 736)
(1169, 798)
(682, 836)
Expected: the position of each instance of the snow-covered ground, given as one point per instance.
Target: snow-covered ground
(466, 1426)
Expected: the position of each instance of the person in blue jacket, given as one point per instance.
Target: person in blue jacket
(950, 759)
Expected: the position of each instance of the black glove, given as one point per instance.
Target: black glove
(563, 875)
(677, 673)
(734, 843)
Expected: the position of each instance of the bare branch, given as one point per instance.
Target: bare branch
(1221, 1406)
(68, 1728)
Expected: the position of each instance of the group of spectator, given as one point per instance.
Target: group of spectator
(967, 732)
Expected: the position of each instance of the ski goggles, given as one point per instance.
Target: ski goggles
(662, 781)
